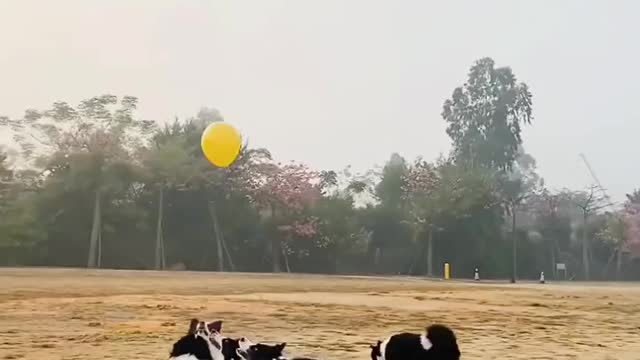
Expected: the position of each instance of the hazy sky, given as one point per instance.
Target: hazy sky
(341, 82)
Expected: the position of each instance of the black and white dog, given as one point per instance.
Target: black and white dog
(231, 346)
(266, 352)
(437, 343)
(203, 341)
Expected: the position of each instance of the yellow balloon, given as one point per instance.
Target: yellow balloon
(221, 144)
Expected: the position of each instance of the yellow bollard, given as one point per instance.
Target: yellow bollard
(447, 271)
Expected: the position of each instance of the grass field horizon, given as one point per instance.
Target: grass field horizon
(54, 313)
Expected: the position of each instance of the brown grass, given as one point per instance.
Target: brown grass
(74, 314)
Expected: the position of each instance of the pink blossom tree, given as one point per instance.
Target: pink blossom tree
(284, 193)
(632, 228)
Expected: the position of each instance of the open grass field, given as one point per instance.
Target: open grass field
(76, 314)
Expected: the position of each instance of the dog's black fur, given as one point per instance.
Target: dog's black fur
(263, 352)
(192, 344)
(375, 351)
(268, 352)
(408, 346)
(230, 349)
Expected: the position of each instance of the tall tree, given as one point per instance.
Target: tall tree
(168, 166)
(389, 189)
(631, 220)
(516, 185)
(613, 235)
(485, 115)
(588, 202)
(551, 223)
(94, 141)
(422, 195)
(285, 192)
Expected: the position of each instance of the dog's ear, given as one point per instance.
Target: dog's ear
(280, 347)
(216, 325)
(192, 326)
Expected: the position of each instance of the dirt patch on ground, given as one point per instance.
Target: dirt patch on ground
(74, 314)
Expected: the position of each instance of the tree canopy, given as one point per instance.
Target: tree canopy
(94, 185)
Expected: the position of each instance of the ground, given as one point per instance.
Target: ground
(77, 314)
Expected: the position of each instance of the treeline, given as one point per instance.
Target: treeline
(94, 186)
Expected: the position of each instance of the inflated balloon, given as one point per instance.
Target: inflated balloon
(221, 144)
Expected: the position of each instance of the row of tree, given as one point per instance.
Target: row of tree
(94, 186)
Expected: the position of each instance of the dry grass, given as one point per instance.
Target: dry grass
(73, 314)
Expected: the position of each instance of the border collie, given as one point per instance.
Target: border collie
(203, 341)
(266, 352)
(438, 343)
(231, 346)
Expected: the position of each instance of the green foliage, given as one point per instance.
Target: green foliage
(144, 194)
(485, 115)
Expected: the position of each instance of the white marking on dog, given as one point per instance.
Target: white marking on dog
(244, 344)
(383, 348)
(425, 342)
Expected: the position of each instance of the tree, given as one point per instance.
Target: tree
(283, 195)
(484, 116)
(551, 223)
(588, 203)
(389, 189)
(92, 144)
(168, 166)
(631, 220)
(516, 185)
(634, 197)
(6, 179)
(421, 189)
(613, 234)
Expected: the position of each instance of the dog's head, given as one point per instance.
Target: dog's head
(262, 352)
(244, 343)
(209, 331)
(202, 327)
(376, 354)
(441, 341)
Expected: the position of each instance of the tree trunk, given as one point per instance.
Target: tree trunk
(618, 262)
(376, 259)
(605, 272)
(216, 232)
(430, 252)
(159, 254)
(585, 250)
(232, 266)
(418, 253)
(286, 260)
(276, 246)
(276, 249)
(100, 246)
(514, 247)
(95, 231)
(553, 261)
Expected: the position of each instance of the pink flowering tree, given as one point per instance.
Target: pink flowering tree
(632, 228)
(284, 194)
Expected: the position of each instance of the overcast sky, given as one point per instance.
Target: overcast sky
(335, 82)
